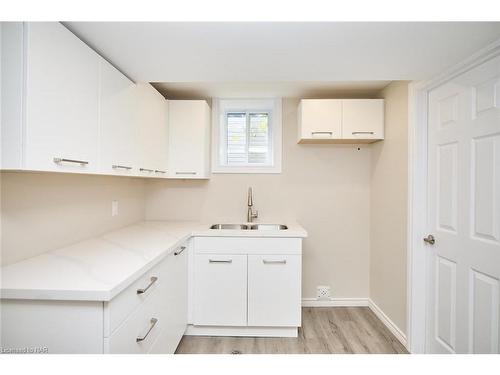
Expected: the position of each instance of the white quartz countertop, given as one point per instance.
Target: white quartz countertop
(99, 268)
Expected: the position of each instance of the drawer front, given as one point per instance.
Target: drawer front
(140, 330)
(220, 290)
(274, 290)
(244, 245)
(128, 300)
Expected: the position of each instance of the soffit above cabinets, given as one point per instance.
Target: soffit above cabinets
(306, 90)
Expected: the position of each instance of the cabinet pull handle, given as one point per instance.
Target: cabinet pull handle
(185, 172)
(331, 133)
(182, 248)
(62, 160)
(220, 261)
(117, 166)
(146, 170)
(153, 280)
(158, 171)
(153, 323)
(354, 133)
(274, 261)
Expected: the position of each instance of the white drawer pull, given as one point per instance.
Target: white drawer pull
(274, 261)
(153, 280)
(182, 248)
(220, 261)
(153, 323)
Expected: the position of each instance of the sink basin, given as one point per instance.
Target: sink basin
(250, 227)
(230, 226)
(268, 227)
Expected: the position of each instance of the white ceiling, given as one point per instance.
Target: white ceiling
(292, 58)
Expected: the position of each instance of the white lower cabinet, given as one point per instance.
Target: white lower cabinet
(220, 290)
(149, 316)
(249, 287)
(274, 290)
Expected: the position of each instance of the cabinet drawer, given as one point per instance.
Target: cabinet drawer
(274, 290)
(127, 301)
(244, 245)
(220, 290)
(140, 330)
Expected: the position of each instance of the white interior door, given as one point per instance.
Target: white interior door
(464, 213)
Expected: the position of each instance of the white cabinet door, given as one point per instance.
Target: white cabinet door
(274, 290)
(320, 119)
(174, 302)
(62, 99)
(220, 290)
(118, 109)
(363, 119)
(152, 127)
(189, 132)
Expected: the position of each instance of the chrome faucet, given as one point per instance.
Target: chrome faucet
(250, 213)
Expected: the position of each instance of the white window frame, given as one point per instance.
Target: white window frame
(220, 107)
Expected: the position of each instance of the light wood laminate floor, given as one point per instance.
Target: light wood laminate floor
(324, 330)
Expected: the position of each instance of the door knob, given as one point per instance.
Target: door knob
(430, 239)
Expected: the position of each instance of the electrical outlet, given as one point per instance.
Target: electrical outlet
(323, 292)
(114, 208)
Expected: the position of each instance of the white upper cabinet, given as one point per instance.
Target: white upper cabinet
(118, 112)
(66, 109)
(340, 120)
(152, 132)
(320, 119)
(189, 139)
(363, 119)
(59, 88)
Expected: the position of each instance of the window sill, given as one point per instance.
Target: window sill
(246, 170)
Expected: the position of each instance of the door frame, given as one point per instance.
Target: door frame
(418, 194)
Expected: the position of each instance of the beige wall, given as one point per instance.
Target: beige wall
(389, 208)
(44, 211)
(324, 187)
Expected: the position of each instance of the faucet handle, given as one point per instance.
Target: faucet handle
(255, 214)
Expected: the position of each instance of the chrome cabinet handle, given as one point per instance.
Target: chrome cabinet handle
(62, 160)
(158, 171)
(117, 166)
(182, 248)
(354, 133)
(146, 170)
(274, 261)
(331, 133)
(220, 261)
(185, 172)
(153, 323)
(153, 280)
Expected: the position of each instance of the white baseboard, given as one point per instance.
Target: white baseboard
(388, 323)
(335, 302)
(348, 302)
(241, 331)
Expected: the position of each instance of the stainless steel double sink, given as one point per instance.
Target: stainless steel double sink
(250, 226)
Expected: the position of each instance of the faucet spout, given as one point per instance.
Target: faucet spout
(251, 214)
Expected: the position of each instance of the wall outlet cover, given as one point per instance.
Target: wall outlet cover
(323, 292)
(114, 208)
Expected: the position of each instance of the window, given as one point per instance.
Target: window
(247, 136)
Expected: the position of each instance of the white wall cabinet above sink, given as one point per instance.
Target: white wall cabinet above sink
(340, 120)
(189, 139)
